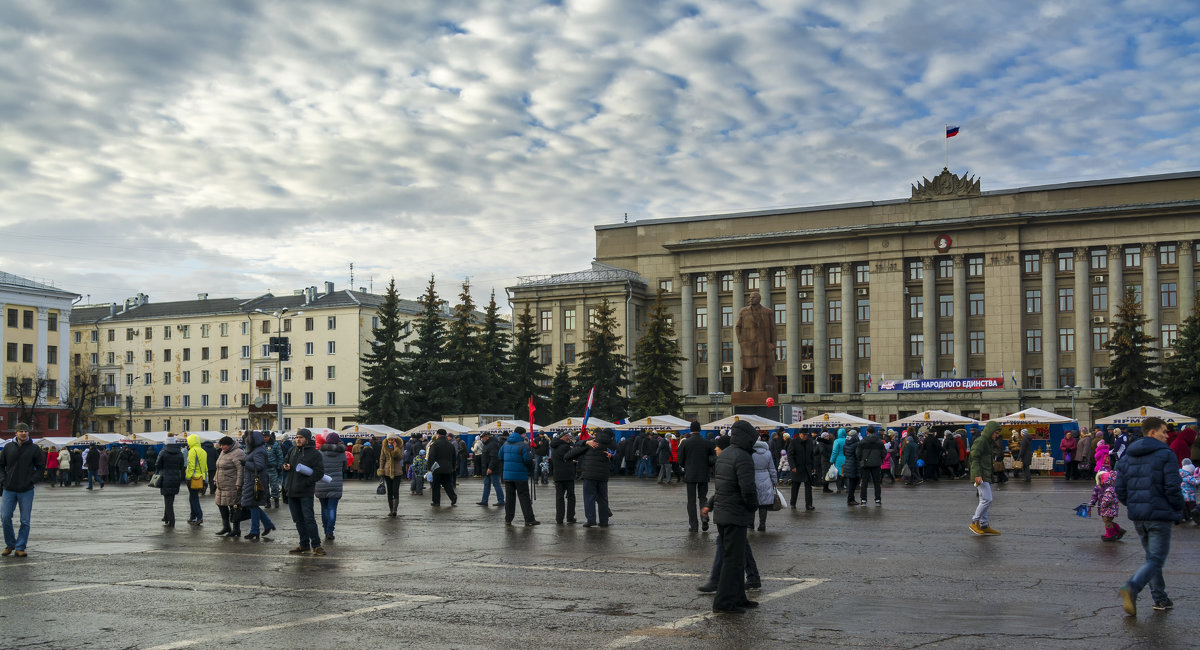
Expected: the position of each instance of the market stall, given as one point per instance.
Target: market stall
(935, 419)
(1133, 417)
(368, 430)
(759, 422)
(1047, 431)
(573, 423)
(430, 427)
(834, 420)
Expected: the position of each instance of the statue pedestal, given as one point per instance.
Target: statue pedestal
(751, 397)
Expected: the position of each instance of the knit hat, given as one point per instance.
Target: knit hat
(304, 433)
(21, 426)
(1187, 464)
(333, 439)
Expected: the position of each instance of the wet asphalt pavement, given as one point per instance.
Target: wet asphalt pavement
(103, 572)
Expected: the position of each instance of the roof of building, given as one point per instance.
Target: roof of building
(599, 273)
(8, 280)
(864, 204)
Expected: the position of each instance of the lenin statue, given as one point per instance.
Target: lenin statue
(756, 337)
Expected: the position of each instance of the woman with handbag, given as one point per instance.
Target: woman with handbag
(169, 465)
(195, 473)
(228, 479)
(256, 484)
(391, 470)
(765, 480)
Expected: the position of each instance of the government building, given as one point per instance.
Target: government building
(1018, 285)
(34, 338)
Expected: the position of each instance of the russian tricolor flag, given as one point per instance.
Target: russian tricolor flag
(951, 131)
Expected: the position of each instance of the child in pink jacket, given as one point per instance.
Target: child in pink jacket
(1101, 456)
(1105, 495)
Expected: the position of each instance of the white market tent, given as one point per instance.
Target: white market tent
(570, 423)
(322, 431)
(431, 427)
(54, 441)
(211, 436)
(1134, 417)
(102, 438)
(933, 418)
(656, 422)
(757, 421)
(1031, 416)
(506, 426)
(833, 420)
(366, 430)
(154, 437)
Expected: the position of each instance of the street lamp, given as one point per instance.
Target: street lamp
(1073, 391)
(716, 397)
(279, 363)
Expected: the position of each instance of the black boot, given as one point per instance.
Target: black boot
(225, 530)
(276, 503)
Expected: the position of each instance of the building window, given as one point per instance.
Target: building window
(975, 266)
(781, 350)
(205, 329)
(187, 402)
(806, 349)
(916, 306)
(666, 285)
(916, 270)
(1032, 263)
(308, 399)
(568, 319)
(726, 352)
(946, 306)
(975, 302)
(546, 320)
(1033, 301)
(331, 372)
(835, 311)
(310, 348)
(245, 351)
(780, 314)
(224, 327)
(701, 353)
(331, 322)
(1098, 377)
(309, 373)
(224, 400)
(287, 374)
(1166, 254)
(864, 347)
(569, 353)
(1033, 378)
(331, 347)
(779, 279)
(309, 325)
(1066, 339)
(862, 273)
(1066, 299)
(807, 383)
(1100, 298)
(976, 340)
(1136, 289)
(701, 283)
(916, 345)
(726, 316)
(1033, 340)
(52, 355)
(1168, 294)
(1099, 338)
(205, 376)
(13, 317)
(835, 348)
(1099, 259)
(835, 383)
(752, 281)
(167, 355)
(1170, 334)
(245, 374)
(546, 357)
(1066, 376)
(224, 351)
(187, 376)
(224, 374)
(204, 354)
(864, 310)
(726, 282)
(27, 318)
(331, 398)
(945, 269)
(592, 322)
(1066, 261)
(806, 276)
(1133, 257)
(701, 317)
(265, 351)
(287, 399)
(946, 343)
(806, 312)
(166, 401)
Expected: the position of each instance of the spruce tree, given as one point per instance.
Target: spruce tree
(493, 360)
(657, 366)
(602, 365)
(528, 372)
(385, 398)
(1129, 377)
(464, 353)
(561, 393)
(1181, 378)
(430, 377)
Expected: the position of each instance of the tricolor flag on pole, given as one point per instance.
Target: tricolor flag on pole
(532, 442)
(587, 413)
(922, 368)
(951, 131)
(868, 381)
(1014, 379)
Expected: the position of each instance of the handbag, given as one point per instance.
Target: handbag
(240, 514)
(998, 466)
(381, 488)
(196, 483)
(778, 504)
(259, 492)
(156, 480)
(1018, 464)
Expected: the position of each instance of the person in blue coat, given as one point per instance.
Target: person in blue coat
(515, 459)
(838, 457)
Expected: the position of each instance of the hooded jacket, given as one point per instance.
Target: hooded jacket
(333, 456)
(838, 455)
(561, 468)
(1182, 444)
(229, 476)
(514, 458)
(696, 457)
(255, 467)
(736, 497)
(594, 464)
(197, 460)
(169, 466)
(765, 477)
(1148, 482)
(802, 457)
(983, 453)
(849, 468)
(870, 451)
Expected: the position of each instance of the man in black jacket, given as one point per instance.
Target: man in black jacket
(564, 478)
(21, 465)
(443, 463)
(696, 456)
(594, 461)
(736, 501)
(491, 469)
(804, 459)
(304, 468)
(870, 454)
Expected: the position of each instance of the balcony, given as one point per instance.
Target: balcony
(108, 389)
(263, 384)
(265, 408)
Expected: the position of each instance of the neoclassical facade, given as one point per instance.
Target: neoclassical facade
(1020, 284)
(34, 339)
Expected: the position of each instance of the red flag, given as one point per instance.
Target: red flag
(531, 410)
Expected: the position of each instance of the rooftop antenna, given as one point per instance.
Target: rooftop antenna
(371, 282)
(626, 217)
(351, 275)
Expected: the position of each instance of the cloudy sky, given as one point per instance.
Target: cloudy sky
(234, 147)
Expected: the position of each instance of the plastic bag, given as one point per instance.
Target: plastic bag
(832, 474)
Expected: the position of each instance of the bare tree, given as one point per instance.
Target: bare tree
(28, 393)
(80, 398)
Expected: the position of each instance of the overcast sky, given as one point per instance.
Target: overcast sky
(236, 147)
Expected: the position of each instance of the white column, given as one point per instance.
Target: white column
(929, 322)
(714, 334)
(764, 287)
(792, 299)
(961, 309)
(1049, 321)
(1116, 280)
(739, 301)
(849, 340)
(64, 354)
(1150, 296)
(820, 332)
(42, 340)
(3, 360)
(687, 334)
(1187, 279)
(1083, 320)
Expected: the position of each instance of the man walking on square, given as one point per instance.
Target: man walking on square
(21, 464)
(805, 460)
(443, 464)
(490, 466)
(1148, 484)
(736, 501)
(982, 453)
(696, 457)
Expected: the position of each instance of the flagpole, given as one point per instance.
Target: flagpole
(947, 139)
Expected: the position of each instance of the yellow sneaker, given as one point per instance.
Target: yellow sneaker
(976, 529)
(990, 531)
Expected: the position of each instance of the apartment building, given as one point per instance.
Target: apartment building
(34, 337)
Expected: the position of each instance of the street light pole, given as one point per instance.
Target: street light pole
(279, 364)
(1073, 391)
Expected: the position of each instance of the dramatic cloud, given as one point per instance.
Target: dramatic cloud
(239, 146)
